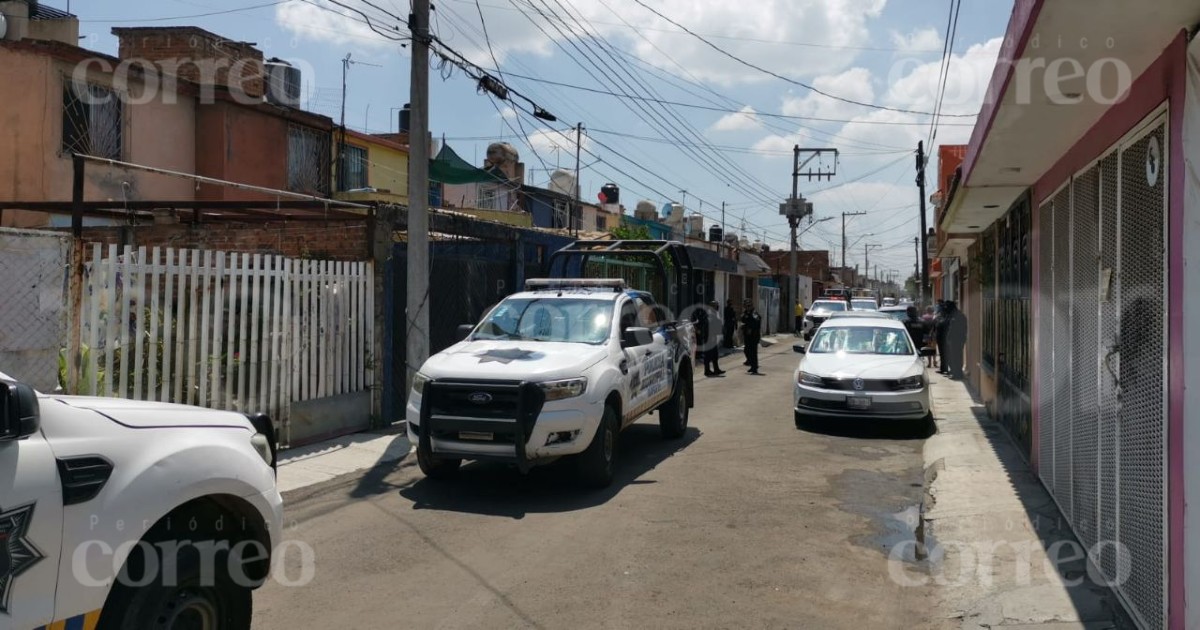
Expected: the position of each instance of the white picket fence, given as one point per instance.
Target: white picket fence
(237, 331)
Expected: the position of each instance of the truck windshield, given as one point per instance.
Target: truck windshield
(558, 319)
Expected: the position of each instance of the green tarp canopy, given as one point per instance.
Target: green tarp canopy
(449, 168)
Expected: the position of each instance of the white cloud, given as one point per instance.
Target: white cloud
(508, 113)
(853, 84)
(772, 24)
(745, 119)
(545, 141)
(918, 41)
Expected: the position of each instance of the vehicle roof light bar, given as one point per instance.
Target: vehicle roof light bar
(534, 284)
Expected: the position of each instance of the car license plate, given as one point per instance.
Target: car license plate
(472, 435)
(858, 403)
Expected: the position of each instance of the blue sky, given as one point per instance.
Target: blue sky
(881, 52)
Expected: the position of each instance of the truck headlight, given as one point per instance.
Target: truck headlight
(418, 383)
(804, 378)
(559, 390)
(911, 383)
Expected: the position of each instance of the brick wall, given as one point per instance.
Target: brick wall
(310, 239)
(196, 55)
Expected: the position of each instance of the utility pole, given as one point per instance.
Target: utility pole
(577, 210)
(722, 221)
(845, 246)
(794, 222)
(416, 333)
(923, 248)
(867, 247)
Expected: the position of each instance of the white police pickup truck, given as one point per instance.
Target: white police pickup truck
(125, 514)
(557, 370)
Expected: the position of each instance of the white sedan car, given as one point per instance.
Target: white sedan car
(861, 367)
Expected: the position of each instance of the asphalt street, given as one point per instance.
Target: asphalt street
(747, 522)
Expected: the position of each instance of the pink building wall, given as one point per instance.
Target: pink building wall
(32, 165)
(1163, 82)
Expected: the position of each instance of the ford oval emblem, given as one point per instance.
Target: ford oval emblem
(859, 384)
(480, 398)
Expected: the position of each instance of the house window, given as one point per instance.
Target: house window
(601, 223)
(308, 160)
(489, 199)
(92, 120)
(562, 215)
(354, 168)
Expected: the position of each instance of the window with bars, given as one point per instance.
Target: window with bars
(308, 160)
(92, 120)
(354, 168)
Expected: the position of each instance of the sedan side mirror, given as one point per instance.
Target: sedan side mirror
(465, 331)
(634, 336)
(798, 348)
(18, 411)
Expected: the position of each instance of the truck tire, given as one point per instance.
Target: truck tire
(595, 465)
(435, 467)
(184, 600)
(673, 415)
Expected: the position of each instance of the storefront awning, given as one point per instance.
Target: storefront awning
(752, 265)
(708, 260)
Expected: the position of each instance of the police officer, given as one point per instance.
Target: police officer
(751, 334)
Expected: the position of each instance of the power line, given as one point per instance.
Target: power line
(726, 110)
(746, 39)
(182, 17)
(947, 59)
(784, 78)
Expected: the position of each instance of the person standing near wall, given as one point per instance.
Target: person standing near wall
(711, 352)
(751, 334)
(730, 320)
(956, 339)
(799, 317)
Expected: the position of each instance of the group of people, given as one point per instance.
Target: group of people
(708, 321)
(943, 327)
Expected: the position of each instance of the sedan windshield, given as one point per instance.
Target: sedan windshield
(536, 319)
(860, 340)
(828, 305)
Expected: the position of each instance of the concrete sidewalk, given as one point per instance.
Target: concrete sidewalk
(995, 539)
(307, 466)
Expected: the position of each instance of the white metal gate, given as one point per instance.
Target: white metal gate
(1102, 348)
(33, 313)
(245, 332)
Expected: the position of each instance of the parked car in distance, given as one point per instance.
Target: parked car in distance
(889, 301)
(861, 367)
(864, 304)
(899, 313)
(819, 312)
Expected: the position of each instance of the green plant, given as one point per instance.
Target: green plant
(627, 232)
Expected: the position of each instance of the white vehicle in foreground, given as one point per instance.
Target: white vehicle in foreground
(558, 370)
(119, 514)
(861, 367)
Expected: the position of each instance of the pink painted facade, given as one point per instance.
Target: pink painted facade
(33, 167)
(1162, 86)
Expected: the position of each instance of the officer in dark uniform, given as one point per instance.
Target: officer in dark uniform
(751, 334)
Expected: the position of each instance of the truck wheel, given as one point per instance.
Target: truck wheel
(595, 465)
(436, 467)
(673, 415)
(176, 599)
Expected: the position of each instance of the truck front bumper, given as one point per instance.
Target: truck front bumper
(510, 424)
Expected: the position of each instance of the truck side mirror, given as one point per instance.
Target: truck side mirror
(18, 411)
(634, 336)
(465, 331)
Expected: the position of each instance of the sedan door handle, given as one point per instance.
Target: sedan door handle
(649, 352)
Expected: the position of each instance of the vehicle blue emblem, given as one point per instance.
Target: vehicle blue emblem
(859, 384)
(480, 398)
